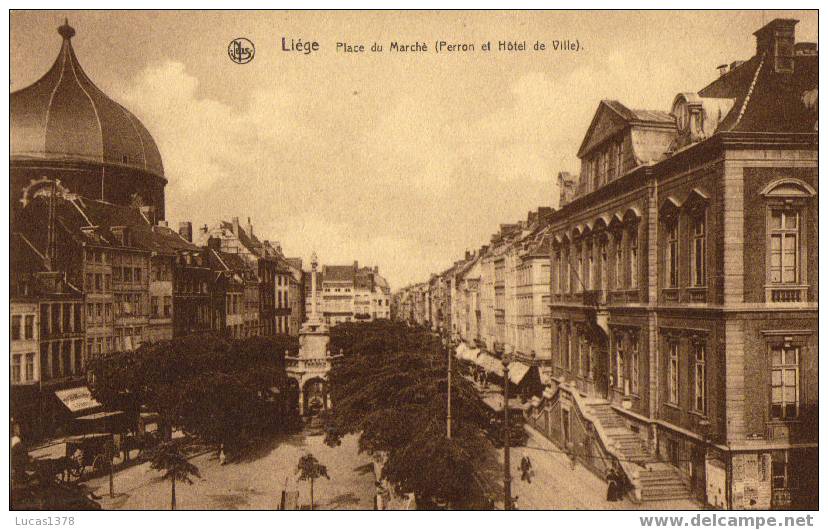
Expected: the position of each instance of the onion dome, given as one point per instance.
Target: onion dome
(63, 116)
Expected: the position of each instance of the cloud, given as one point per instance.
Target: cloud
(406, 181)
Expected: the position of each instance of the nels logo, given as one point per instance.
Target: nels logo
(241, 50)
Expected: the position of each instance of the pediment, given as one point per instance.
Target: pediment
(605, 123)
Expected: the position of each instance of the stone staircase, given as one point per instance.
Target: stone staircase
(659, 481)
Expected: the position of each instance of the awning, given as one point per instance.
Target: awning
(489, 363)
(517, 371)
(461, 350)
(99, 415)
(464, 353)
(77, 399)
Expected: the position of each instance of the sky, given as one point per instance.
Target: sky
(403, 161)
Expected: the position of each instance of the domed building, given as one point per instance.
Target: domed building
(64, 128)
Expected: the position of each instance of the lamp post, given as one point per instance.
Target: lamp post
(704, 428)
(447, 342)
(507, 473)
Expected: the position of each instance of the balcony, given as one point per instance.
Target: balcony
(594, 298)
(792, 294)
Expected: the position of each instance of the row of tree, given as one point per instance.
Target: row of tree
(390, 387)
(226, 392)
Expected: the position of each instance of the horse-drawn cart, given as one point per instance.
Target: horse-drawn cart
(84, 453)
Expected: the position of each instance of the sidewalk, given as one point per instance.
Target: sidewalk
(556, 486)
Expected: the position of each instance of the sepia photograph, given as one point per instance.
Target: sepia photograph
(414, 260)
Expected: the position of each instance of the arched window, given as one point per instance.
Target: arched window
(787, 201)
(696, 212)
(670, 214)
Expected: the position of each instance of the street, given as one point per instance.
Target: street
(253, 482)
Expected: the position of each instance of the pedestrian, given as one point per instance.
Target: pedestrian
(222, 456)
(611, 485)
(526, 469)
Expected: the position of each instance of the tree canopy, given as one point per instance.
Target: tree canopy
(393, 392)
(225, 392)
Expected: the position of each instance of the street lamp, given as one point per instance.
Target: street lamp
(507, 477)
(704, 428)
(447, 344)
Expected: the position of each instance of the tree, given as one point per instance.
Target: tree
(225, 392)
(169, 458)
(310, 469)
(393, 393)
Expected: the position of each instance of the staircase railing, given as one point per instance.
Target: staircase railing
(607, 450)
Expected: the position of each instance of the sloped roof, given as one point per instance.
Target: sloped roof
(612, 116)
(91, 221)
(24, 257)
(228, 262)
(642, 115)
(338, 273)
(766, 100)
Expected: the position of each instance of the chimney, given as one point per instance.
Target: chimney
(185, 230)
(722, 68)
(468, 255)
(249, 228)
(236, 226)
(356, 265)
(736, 64)
(163, 223)
(376, 269)
(776, 41)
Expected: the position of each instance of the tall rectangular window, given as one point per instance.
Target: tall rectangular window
(633, 258)
(698, 252)
(784, 247)
(29, 327)
(700, 379)
(620, 369)
(579, 270)
(619, 264)
(30, 360)
(557, 272)
(634, 374)
(15, 327)
(17, 361)
(604, 258)
(784, 382)
(565, 277)
(673, 375)
(588, 263)
(672, 254)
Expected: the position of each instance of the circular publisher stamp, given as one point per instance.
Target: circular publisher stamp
(241, 50)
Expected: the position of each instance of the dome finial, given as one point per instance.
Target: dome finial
(66, 31)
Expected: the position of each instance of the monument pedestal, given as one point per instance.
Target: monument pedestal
(311, 366)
